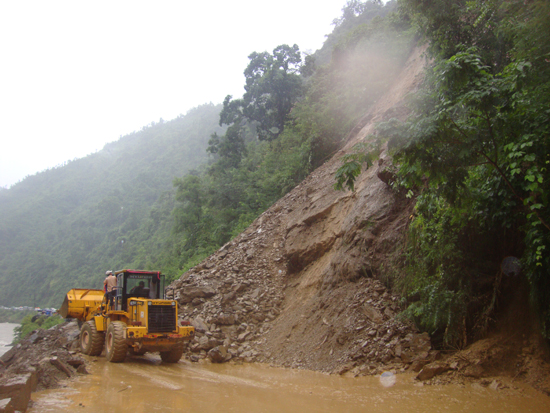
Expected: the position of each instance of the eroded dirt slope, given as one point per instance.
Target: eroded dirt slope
(301, 286)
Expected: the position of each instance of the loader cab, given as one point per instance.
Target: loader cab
(138, 284)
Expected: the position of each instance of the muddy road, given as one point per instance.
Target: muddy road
(144, 384)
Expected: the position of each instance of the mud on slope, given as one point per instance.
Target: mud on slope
(300, 287)
(303, 286)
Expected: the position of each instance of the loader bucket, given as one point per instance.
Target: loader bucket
(81, 303)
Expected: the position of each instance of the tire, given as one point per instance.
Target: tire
(172, 356)
(91, 340)
(115, 343)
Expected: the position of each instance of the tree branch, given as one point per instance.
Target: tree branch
(501, 173)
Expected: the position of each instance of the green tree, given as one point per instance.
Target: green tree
(273, 85)
(475, 151)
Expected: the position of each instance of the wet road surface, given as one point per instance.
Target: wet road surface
(144, 384)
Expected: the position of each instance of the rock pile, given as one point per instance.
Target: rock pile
(235, 306)
(42, 361)
(301, 286)
(232, 297)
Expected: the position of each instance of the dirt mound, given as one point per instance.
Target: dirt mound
(44, 360)
(301, 286)
(514, 349)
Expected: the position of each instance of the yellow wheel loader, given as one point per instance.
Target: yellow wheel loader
(137, 320)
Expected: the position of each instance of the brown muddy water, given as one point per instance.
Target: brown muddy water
(144, 384)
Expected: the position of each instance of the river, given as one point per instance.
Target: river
(6, 336)
(144, 384)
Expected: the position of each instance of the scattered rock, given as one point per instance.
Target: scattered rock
(41, 361)
(6, 406)
(61, 366)
(432, 370)
(344, 368)
(476, 371)
(218, 354)
(18, 389)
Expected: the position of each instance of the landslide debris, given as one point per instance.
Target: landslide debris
(44, 360)
(303, 286)
(300, 288)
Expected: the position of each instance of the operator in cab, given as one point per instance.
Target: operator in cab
(138, 289)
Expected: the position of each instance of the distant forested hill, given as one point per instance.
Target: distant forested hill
(64, 227)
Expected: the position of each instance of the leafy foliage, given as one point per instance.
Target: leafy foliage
(364, 154)
(475, 152)
(31, 323)
(478, 142)
(272, 87)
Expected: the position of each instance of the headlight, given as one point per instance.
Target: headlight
(133, 302)
(173, 303)
(149, 303)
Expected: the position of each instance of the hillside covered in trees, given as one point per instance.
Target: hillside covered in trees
(64, 227)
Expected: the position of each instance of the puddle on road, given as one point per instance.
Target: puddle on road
(144, 384)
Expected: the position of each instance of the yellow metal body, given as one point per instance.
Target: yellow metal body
(82, 304)
(138, 332)
(100, 323)
(88, 304)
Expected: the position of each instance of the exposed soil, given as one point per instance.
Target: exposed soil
(304, 287)
(52, 355)
(44, 360)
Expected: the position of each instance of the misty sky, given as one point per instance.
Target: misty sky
(75, 75)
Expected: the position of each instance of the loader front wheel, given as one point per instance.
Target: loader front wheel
(115, 344)
(91, 340)
(172, 356)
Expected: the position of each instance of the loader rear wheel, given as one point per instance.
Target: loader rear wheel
(115, 343)
(172, 356)
(91, 340)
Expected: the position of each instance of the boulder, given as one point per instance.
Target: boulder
(6, 406)
(432, 370)
(373, 314)
(61, 366)
(188, 294)
(18, 389)
(218, 354)
(225, 319)
(476, 371)
(228, 298)
(420, 342)
(343, 368)
(199, 324)
(207, 343)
